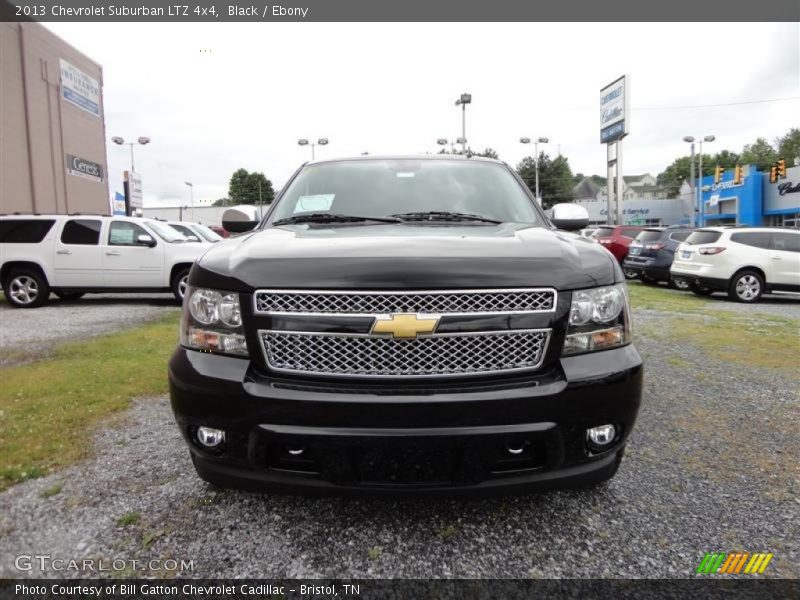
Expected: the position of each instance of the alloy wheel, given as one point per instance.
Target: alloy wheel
(182, 285)
(24, 289)
(748, 287)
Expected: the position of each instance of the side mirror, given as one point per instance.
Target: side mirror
(146, 240)
(569, 217)
(239, 226)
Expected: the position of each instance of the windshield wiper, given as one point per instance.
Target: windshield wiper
(331, 218)
(443, 215)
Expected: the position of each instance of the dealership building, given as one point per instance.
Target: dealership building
(753, 200)
(52, 125)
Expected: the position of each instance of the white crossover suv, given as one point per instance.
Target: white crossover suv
(744, 262)
(71, 255)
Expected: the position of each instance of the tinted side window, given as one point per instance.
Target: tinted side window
(123, 233)
(679, 237)
(703, 237)
(84, 232)
(24, 231)
(757, 239)
(629, 232)
(788, 242)
(648, 236)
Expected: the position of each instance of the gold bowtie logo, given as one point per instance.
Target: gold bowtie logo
(405, 325)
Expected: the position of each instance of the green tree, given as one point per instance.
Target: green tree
(222, 202)
(555, 178)
(789, 146)
(250, 188)
(487, 153)
(680, 170)
(759, 153)
(724, 158)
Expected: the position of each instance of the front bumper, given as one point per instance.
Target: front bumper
(406, 437)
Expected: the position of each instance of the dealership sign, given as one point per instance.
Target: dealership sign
(614, 111)
(133, 188)
(80, 167)
(80, 89)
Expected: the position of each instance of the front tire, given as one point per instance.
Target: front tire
(179, 281)
(26, 288)
(630, 273)
(746, 286)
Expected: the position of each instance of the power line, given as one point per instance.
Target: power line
(716, 105)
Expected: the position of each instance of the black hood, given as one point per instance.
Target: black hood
(405, 256)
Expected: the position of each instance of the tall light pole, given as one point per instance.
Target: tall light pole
(463, 101)
(537, 141)
(191, 195)
(320, 142)
(142, 141)
(689, 139)
(708, 138)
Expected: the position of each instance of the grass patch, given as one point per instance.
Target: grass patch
(447, 533)
(756, 339)
(654, 297)
(760, 341)
(129, 519)
(47, 407)
(375, 552)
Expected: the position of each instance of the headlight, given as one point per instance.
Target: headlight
(599, 318)
(212, 322)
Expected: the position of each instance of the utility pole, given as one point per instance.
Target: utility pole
(463, 101)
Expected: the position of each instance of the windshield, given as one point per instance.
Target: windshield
(380, 188)
(703, 237)
(165, 232)
(184, 230)
(208, 233)
(648, 236)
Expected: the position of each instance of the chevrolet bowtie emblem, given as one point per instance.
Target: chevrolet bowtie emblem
(405, 325)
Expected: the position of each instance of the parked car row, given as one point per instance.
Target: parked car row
(71, 255)
(744, 262)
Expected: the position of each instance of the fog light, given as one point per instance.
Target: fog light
(603, 435)
(209, 437)
(295, 450)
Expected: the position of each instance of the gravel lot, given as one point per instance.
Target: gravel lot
(713, 465)
(37, 330)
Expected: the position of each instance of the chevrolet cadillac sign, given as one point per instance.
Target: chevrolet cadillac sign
(614, 111)
(80, 167)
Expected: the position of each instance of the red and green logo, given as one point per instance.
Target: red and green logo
(735, 563)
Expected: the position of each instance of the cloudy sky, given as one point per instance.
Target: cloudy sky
(216, 97)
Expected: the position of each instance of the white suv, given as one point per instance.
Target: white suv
(744, 262)
(196, 232)
(70, 255)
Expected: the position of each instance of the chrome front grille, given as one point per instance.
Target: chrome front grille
(451, 302)
(436, 354)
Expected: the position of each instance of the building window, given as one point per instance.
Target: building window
(652, 222)
(788, 220)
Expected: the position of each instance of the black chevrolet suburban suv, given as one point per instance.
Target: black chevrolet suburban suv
(407, 324)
